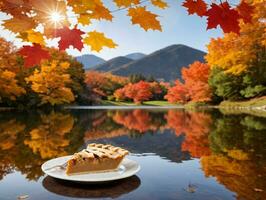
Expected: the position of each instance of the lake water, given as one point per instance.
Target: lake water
(183, 155)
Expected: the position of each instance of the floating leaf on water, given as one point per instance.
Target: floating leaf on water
(23, 197)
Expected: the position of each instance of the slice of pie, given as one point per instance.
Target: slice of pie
(96, 158)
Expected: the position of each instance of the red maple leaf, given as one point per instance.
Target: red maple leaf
(245, 11)
(198, 7)
(69, 37)
(33, 55)
(224, 16)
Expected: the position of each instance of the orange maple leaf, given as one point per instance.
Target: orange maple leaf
(159, 3)
(198, 7)
(143, 17)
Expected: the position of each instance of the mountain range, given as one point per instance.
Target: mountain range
(90, 60)
(164, 64)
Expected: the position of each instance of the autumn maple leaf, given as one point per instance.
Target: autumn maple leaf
(98, 40)
(143, 17)
(70, 37)
(245, 10)
(126, 3)
(33, 55)
(224, 16)
(160, 4)
(198, 7)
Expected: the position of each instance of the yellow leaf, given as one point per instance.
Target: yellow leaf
(32, 36)
(159, 3)
(84, 19)
(144, 18)
(101, 12)
(126, 3)
(21, 24)
(97, 41)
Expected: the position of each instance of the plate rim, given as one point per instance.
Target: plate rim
(138, 168)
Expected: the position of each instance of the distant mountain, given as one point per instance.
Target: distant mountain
(135, 56)
(112, 64)
(90, 60)
(163, 64)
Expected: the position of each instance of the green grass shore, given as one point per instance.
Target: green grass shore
(255, 106)
(257, 103)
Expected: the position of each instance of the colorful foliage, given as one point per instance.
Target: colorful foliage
(195, 87)
(27, 18)
(9, 87)
(236, 53)
(104, 84)
(50, 81)
(238, 61)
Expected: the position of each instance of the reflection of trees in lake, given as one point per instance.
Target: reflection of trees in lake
(13, 153)
(191, 132)
(238, 158)
(232, 148)
(49, 138)
(8, 137)
(103, 126)
(244, 177)
(195, 126)
(138, 120)
(246, 133)
(26, 142)
(9, 131)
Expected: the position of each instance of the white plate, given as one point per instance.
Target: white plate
(127, 168)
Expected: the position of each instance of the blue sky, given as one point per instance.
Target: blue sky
(178, 28)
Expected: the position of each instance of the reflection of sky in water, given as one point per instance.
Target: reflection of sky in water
(183, 155)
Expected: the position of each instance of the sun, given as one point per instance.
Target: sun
(56, 17)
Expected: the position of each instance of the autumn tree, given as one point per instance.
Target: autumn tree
(141, 91)
(120, 94)
(177, 93)
(158, 90)
(50, 83)
(9, 86)
(138, 92)
(104, 84)
(77, 75)
(238, 60)
(195, 87)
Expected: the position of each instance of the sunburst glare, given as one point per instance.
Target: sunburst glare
(56, 17)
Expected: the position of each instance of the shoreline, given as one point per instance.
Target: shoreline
(254, 106)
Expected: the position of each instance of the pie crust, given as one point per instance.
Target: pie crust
(96, 158)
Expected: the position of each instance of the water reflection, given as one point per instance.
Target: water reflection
(229, 148)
